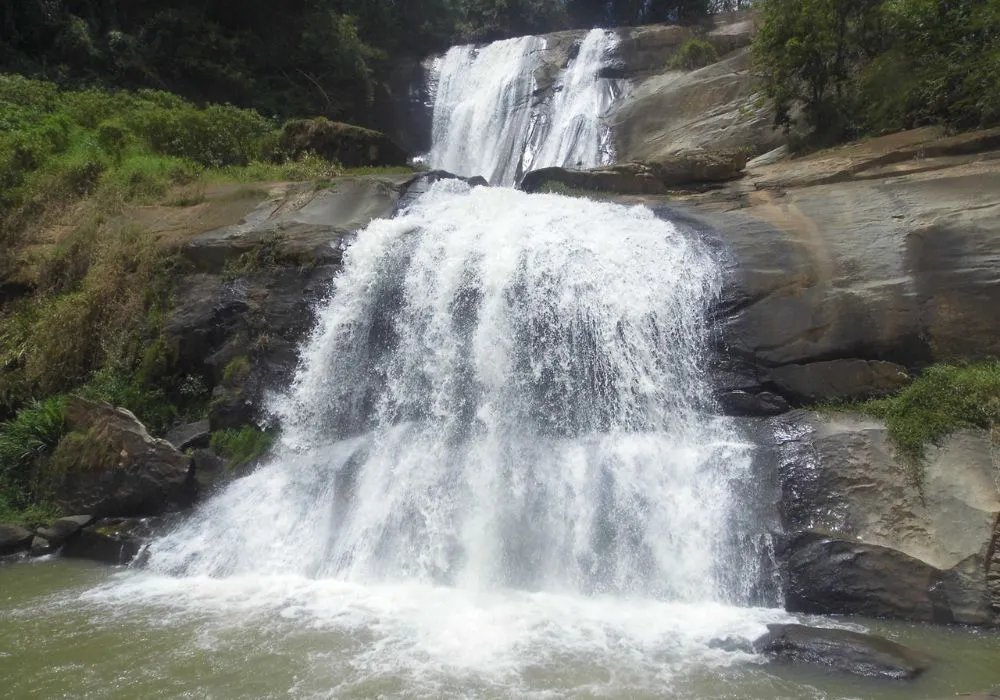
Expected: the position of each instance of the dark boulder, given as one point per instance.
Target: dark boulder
(827, 574)
(190, 435)
(64, 528)
(41, 546)
(115, 541)
(351, 146)
(14, 539)
(110, 466)
(851, 652)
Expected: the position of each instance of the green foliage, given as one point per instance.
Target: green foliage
(32, 434)
(236, 371)
(872, 66)
(694, 54)
(945, 398)
(243, 446)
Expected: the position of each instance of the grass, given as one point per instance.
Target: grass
(242, 446)
(943, 399)
(32, 433)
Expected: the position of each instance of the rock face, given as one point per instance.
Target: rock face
(841, 290)
(851, 652)
(110, 466)
(867, 535)
(248, 299)
(251, 288)
(707, 109)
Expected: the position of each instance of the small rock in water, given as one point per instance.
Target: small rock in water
(113, 541)
(41, 546)
(851, 652)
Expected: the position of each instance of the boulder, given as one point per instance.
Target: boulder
(64, 528)
(109, 465)
(14, 539)
(837, 380)
(869, 533)
(682, 169)
(189, 435)
(351, 146)
(844, 650)
(41, 546)
(115, 541)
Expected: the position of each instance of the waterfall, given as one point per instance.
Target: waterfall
(488, 119)
(503, 391)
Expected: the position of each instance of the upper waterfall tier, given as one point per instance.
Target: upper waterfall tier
(491, 119)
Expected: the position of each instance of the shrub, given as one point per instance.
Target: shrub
(945, 398)
(694, 54)
(29, 437)
(243, 446)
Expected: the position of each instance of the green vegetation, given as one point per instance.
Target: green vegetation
(303, 57)
(694, 54)
(868, 67)
(244, 446)
(33, 432)
(943, 399)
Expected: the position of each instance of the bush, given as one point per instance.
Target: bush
(28, 438)
(694, 54)
(243, 446)
(945, 398)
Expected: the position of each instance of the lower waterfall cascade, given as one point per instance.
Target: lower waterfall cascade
(503, 390)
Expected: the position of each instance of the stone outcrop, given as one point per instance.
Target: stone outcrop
(351, 146)
(870, 534)
(682, 169)
(110, 466)
(843, 650)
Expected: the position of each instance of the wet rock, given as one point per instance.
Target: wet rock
(41, 546)
(115, 541)
(209, 468)
(109, 465)
(828, 574)
(870, 534)
(838, 380)
(851, 652)
(745, 403)
(64, 528)
(14, 539)
(190, 435)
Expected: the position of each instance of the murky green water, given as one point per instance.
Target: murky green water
(76, 630)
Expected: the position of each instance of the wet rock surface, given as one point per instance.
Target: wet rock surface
(14, 539)
(867, 534)
(844, 650)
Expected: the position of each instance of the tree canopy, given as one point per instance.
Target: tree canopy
(291, 58)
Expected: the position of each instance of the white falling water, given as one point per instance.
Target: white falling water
(496, 477)
(486, 122)
(504, 390)
(482, 108)
(576, 135)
